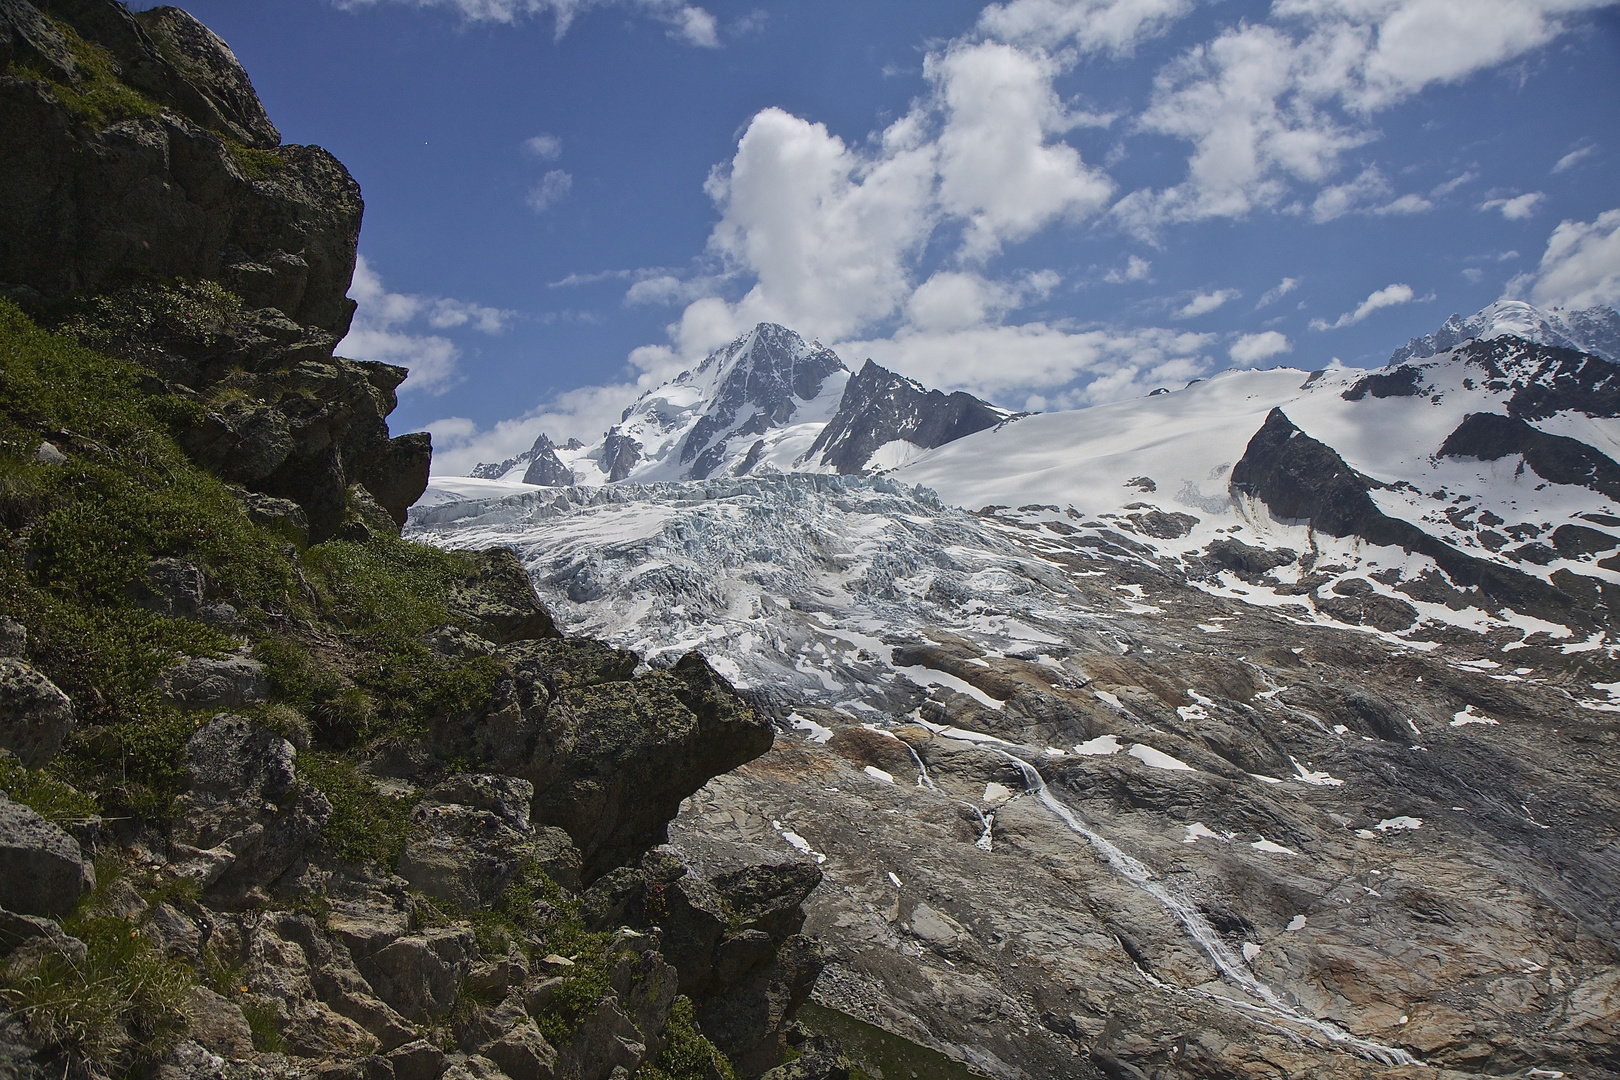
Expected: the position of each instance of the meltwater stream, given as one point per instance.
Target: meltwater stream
(1198, 927)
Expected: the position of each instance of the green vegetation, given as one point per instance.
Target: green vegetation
(876, 1052)
(81, 536)
(255, 164)
(387, 594)
(687, 1055)
(116, 1008)
(365, 823)
(133, 323)
(99, 97)
(44, 794)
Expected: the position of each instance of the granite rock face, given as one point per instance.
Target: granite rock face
(94, 199)
(182, 179)
(364, 891)
(880, 407)
(610, 753)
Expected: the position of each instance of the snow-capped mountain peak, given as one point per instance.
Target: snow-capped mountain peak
(768, 402)
(1594, 330)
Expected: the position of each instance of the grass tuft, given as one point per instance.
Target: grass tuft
(687, 1055)
(117, 1008)
(365, 823)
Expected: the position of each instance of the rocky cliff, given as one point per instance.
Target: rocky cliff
(282, 794)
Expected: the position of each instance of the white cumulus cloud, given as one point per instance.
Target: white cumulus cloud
(1574, 158)
(992, 360)
(383, 330)
(1580, 268)
(1517, 208)
(1284, 287)
(544, 147)
(997, 169)
(1113, 26)
(552, 189)
(1270, 105)
(1136, 268)
(1251, 349)
(1388, 296)
(1205, 302)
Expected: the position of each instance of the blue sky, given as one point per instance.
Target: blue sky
(1051, 203)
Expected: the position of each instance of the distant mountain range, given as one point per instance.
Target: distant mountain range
(769, 402)
(1473, 478)
(1221, 710)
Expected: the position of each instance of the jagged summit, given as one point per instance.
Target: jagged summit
(760, 383)
(768, 402)
(1594, 330)
(886, 419)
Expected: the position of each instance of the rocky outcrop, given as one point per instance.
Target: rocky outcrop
(248, 817)
(497, 602)
(373, 846)
(1491, 436)
(880, 407)
(776, 371)
(620, 454)
(181, 177)
(1546, 380)
(545, 470)
(610, 754)
(1302, 480)
(135, 151)
(213, 683)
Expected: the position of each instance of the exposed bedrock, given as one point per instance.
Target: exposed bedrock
(182, 177)
(879, 407)
(1491, 436)
(1300, 479)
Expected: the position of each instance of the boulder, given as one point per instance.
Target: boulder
(606, 1042)
(246, 817)
(472, 834)
(42, 870)
(820, 1058)
(419, 976)
(190, 185)
(216, 90)
(35, 716)
(217, 1023)
(611, 765)
(498, 601)
(231, 757)
(523, 1053)
(205, 682)
(745, 1020)
(13, 638)
(365, 519)
(18, 930)
(419, 1060)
